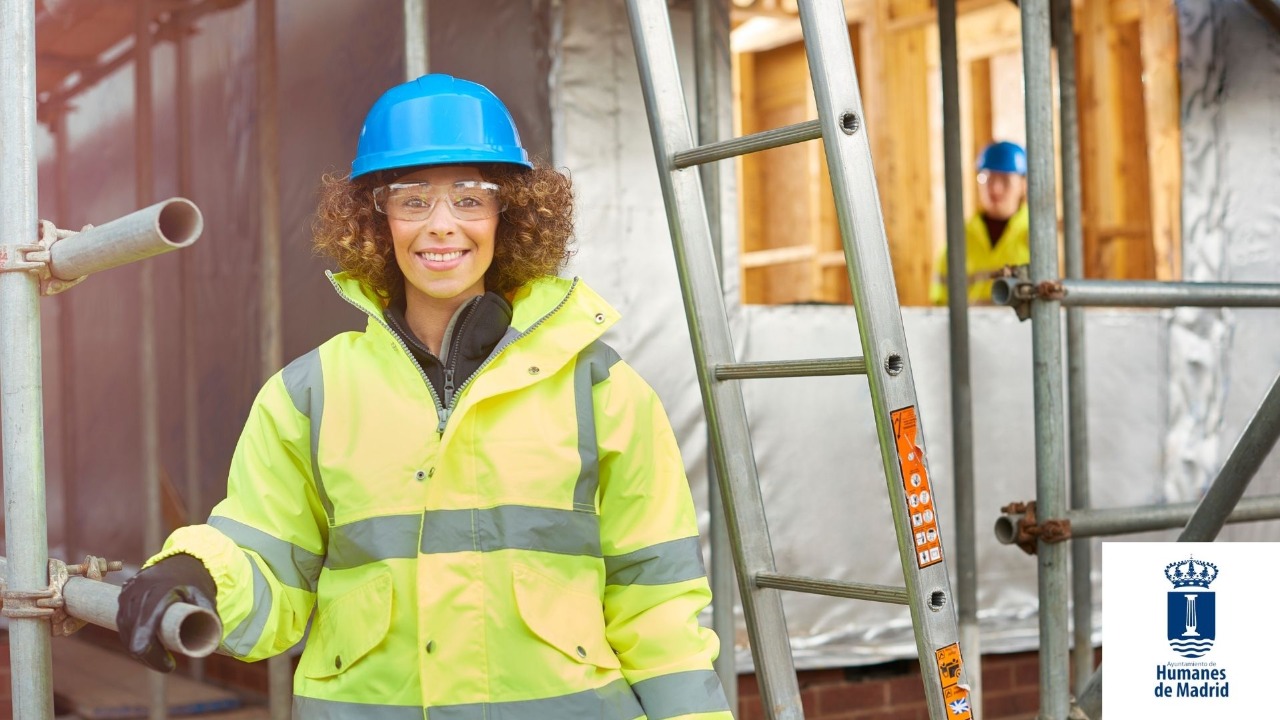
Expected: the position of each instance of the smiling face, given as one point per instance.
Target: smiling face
(443, 259)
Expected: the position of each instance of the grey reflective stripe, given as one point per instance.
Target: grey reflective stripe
(667, 562)
(506, 527)
(304, 379)
(291, 565)
(241, 640)
(308, 708)
(614, 701)
(511, 527)
(592, 368)
(683, 693)
(365, 541)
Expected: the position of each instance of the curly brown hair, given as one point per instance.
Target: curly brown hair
(533, 237)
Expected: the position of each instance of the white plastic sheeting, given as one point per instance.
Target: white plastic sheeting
(814, 439)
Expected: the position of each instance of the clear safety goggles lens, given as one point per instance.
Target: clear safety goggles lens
(467, 200)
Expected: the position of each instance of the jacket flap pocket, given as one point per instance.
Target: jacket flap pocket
(349, 627)
(569, 620)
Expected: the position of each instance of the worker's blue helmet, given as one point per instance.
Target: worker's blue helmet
(437, 120)
(1003, 157)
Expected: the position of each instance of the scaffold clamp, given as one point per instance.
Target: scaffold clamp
(49, 603)
(1027, 531)
(35, 258)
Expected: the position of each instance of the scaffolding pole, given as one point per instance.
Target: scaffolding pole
(1218, 503)
(1046, 343)
(1095, 522)
(416, 57)
(961, 385)
(1155, 293)
(711, 72)
(1064, 39)
(21, 412)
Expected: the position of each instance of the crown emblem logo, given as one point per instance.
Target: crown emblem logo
(1191, 573)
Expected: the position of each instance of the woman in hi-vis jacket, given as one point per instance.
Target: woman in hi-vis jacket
(484, 508)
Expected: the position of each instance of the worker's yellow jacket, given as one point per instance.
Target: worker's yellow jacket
(982, 259)
(532, 553)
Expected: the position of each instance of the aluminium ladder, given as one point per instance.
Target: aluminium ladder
(885, 360)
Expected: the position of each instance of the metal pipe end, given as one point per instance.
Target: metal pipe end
(1002, 290)
(190, 630)
(179, 222)
(1007, 529)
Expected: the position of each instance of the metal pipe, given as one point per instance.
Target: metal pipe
(184, 628)
(711, 61)
(1221, 503)
(958, 333)
(1153, 293)
(1095, 522)
(1246, 457)
(415, 39)
(1047, 353)
(22, 414)
(166, 226)
(1064, 39)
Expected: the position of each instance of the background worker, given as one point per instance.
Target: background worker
(997, 235)
(485, 506)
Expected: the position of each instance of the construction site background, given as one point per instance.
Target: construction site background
(1170, 390)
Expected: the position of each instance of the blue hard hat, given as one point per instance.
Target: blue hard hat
(1003, 157)
(437, 120)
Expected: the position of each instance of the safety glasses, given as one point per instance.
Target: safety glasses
(414, 201)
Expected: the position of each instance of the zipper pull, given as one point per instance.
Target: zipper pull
(448, 387)
(444, 420)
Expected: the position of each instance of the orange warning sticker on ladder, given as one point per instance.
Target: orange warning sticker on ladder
(949, 664)
(915, 480)
(957, 700)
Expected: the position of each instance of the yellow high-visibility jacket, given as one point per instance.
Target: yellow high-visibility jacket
(982, 259)
(530, 553)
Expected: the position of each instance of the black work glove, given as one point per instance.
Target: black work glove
(146, 596)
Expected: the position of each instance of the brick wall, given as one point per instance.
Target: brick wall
(891, 691)
(895, 691)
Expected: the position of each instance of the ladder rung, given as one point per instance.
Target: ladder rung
(767, 140)
(833, 588)
(791, 368)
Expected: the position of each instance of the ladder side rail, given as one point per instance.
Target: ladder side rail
(880, 326)
(709, 332)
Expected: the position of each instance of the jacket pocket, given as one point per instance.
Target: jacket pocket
(349, 627)
(569, 620)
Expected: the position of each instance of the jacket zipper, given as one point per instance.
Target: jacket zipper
(451, 362)
(448, 410)
(440, 411)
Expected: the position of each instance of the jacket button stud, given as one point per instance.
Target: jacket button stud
(420, 475)
(337, 662)
(582, 653)
(534, 370)
(599, 317)
(431, 645)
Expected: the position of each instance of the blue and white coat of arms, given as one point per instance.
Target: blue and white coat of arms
(1191, 620)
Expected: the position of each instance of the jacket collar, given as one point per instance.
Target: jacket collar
(566, 313)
